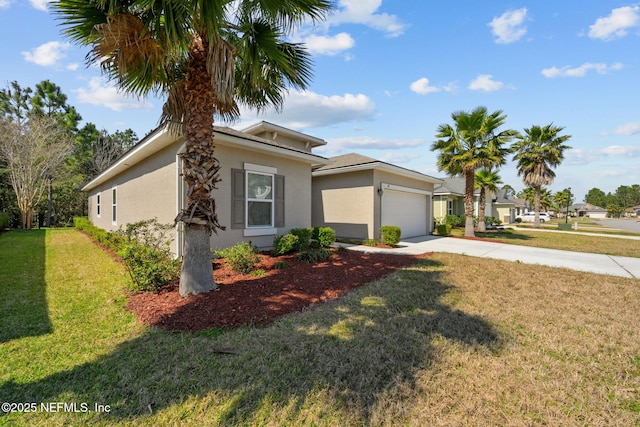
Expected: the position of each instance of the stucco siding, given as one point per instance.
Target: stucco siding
(345, 202)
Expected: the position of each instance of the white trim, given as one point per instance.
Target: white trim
(250, 232)
(386, 186)
(387, 167)
(99, 204)
(259, 168)
(247, 199)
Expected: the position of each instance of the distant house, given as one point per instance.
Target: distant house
(449, 198)
(587, 210)
(356, 195)
(505, 208)
(632, 212)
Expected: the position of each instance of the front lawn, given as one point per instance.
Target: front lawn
(563, 241)
(454, 340)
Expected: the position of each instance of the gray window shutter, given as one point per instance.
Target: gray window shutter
(279, 201)
(237, 198)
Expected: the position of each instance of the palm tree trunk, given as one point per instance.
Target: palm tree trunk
(481, 210)
(200, 174)
(469, 175)
(536, 206)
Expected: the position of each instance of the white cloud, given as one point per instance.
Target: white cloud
(422, 87)
(356, 143)
(580, 71)
(621, 151)
(582, 156)
(509, 27)
(40, 4)
(365, 12)
(304, 109)
(99, 94)
(485, 82)
(72, 67)
(47, 54)
(617, 24)
(5, 3)
(627, 129)
(399, 158)
(329, 45)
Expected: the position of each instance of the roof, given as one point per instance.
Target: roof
(161, 138)
(586, 207)
(353, 162)
(452, 185)
(274, 129)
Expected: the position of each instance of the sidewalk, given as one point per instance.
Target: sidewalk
(592, 263)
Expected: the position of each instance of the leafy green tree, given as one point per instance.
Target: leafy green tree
(509, 191)
(537, 153)
(206, 56)
(485, 180)
(471, 143)
(48, 100)
(596, 197)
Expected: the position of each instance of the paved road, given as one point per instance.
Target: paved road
(630, 224)
(592, 263)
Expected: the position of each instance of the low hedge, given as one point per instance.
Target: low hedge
(390, 234)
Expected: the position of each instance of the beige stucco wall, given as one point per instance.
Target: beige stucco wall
(149, 189)
(345, 202)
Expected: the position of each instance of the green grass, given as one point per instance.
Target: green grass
(563, 241)
(455, 340)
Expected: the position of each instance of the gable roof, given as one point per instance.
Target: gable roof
(274, 130)
(452, 185)
(353, 162)
(161, 138)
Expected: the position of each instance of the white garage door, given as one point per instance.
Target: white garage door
(409, 211)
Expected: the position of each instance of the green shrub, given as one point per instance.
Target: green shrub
(444, 229)
(304, 238)
(325, 236)
(455, 220)
(4, 220)
(314, 255)
(241, 257)
(144, 249)
(390, 234)
(149, 269)
(284, 244)
(370, 242)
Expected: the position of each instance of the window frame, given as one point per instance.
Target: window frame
(98, 205)
(114, 205)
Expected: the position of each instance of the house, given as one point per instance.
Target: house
(632, 212)
(449, 198)
(588, 210)
(146, 182)
(356, 195)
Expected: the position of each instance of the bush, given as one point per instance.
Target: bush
(443, 229)
(144, 249)
(304, 238)
(284, 244)
(390, 234)
(4, 220)
(314, 255)
(325, 236)
(241, 257)
(455, 220)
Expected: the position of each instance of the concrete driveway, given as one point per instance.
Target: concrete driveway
(592, 263)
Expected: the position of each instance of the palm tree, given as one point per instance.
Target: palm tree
(472, 142)
(485, 179)
(207, 56)
(538, 151)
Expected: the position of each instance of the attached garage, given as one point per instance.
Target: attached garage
(356, 195)
(407, 208)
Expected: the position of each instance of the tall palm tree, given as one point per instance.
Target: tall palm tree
(537, 152)
(207, 56)
(471, 143)
(485, 180)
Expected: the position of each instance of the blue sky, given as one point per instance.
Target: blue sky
(388, 73)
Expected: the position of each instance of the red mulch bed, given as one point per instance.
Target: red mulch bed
(244, 299)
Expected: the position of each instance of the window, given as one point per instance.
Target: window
(113, 206)
(257, 204)
(449, 207)
(98, 205)
(259, 199)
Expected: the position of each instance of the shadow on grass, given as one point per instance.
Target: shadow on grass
(352, 351)
(503, 235)
(23, 301)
